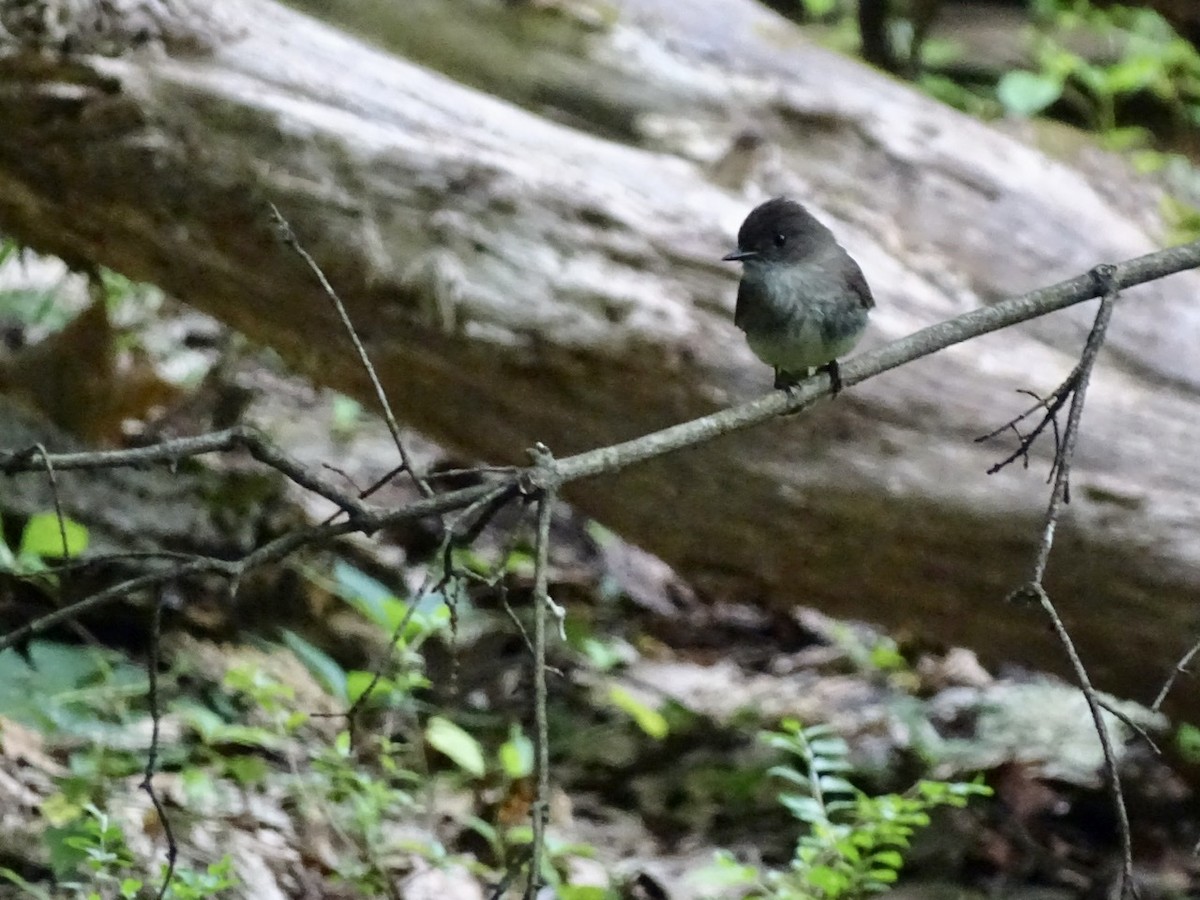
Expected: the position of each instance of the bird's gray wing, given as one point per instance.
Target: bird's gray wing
(858, 283)
(743, 303)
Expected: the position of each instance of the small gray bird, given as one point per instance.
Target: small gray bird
(802, 301)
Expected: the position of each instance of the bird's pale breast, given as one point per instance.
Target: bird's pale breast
(799, 316)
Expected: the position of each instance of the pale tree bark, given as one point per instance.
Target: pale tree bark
(519, 280)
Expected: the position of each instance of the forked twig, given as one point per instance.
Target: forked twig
(1051, 407)
(1035, 588)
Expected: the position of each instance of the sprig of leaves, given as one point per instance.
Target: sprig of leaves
(855, 843)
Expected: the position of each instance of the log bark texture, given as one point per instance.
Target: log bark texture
(517, 279)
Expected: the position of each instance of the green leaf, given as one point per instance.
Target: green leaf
(605, 655)
(354, 582)
(887, 858)
(43, 537)
(320, 664)
(246, 770)
(787, 773)
(8, 559)
(383, 690)
(378, 605)
(294, 720)
(885, 876)
(806, 809)
(1027, 93)
(851, 849)
(833, 785)
(1128, 138)
(582, 892)
(829, 747)
(451, 740)
(346, 414)
(215, 731)
(1187, 739)
(1131, 75)
(516, 754)
(649, 720)
(819, 9)
(370, 597)
(832, 882)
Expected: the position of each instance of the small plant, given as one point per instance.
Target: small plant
(1149, 57)
(855, 843)
(100, 849)
(359, 801)
(94, 845)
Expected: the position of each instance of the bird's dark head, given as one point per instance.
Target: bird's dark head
(779, 231)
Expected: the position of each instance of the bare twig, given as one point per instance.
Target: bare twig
(1131, 725)
(289, 238)
(147, 784)
(1051, 407)
(58, 510)
(541, 603)
(242, 437)
(1110, 757)
(1181, 668)
(272, 551)
(1106, 281)
(1104, 275)
(490, 503)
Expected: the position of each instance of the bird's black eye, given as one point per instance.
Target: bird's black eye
(780, 239)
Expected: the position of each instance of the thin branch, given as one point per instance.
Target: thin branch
(243, 437)
(272, 551)
(1106, 282)
(58, 509)
(1110, 757)
(1082, 376)
(1051, 407)
(1181, 668)
(616, 457)
(541, 603)
(1131, 725)
(289, 238)
(147, 784)
(82, 564)
(490, 503)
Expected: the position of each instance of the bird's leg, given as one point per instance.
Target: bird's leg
(785, 380)
(835, 375)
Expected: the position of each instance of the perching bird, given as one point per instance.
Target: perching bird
(802, 301)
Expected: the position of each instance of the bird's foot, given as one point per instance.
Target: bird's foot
(835, 376)
(787, 380)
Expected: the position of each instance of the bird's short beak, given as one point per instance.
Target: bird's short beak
(739, 256)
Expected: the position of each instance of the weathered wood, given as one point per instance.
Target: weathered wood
(518, 280)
